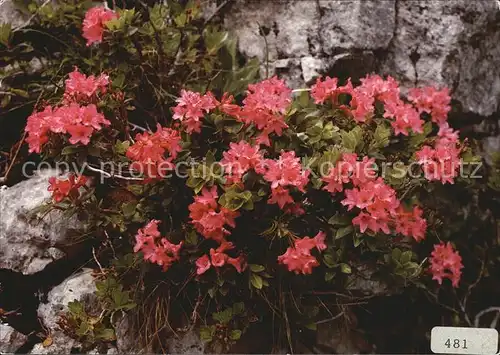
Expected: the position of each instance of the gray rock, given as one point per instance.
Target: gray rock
(9, 13)
(187, 343)
(450, 43)
(28, 245)
(10, 339)
(126, 337)
(78, 287)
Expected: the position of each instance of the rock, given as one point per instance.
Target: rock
(9, 13)
(126, 338)
(10, 339)
(445, 43)
(187, 343)
(27, 246)
(78, 287)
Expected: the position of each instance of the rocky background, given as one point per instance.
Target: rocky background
(453, 43)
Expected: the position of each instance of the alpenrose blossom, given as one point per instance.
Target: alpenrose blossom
(209, 218)
(79, 87)
(66, 188)
(380, 209)
(441, 162)
(218, 258)
(155, 249)
(93, 23)
(80, 122)
(191, 108)
(445, 262)
(149, 152)
(298, 258)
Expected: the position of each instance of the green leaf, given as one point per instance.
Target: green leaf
(256, 281)
(339, 220)
(405, 257)
(380, 138)
(207, 333)
(329, 260)
(214, 39)
(128, 209)
(192, 238)
(329, 275)
(348, 141)
(256, 268)
(238, 308)
(345, 269)
(235, 334)
(20, 92)
(71, 149)
(83, 329)
(223, 317)
(76, 308)
(312, 326)
(106, 334)
(5, 33)
(342, 232)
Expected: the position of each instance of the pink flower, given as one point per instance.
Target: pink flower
(149, 151)
(163, 253)
(79, 134)
(208, 217)
(432, 101)
(191, 107)
(280, 196)
(238, 263)
(298, 260)
(218, 258)
(80, 87)
(441, 162)
(69, 187)
(79, 121)
(264, 106)
(93, 23)
(445, 263)
(240, 158)
(202, 264)
(323, 90)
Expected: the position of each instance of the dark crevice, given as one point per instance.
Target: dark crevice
(20, 295)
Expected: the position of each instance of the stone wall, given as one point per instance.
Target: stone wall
(453, 43)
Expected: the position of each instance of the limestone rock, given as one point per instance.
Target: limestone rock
(445, 43)
(10, 339)
(27, 245)
(77, 287)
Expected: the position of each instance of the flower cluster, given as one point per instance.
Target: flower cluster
(69, 187)
(93, 23)
(298, 258)
(445, 263)
(79, 87)
(379, 205)
(218, 258)
(362, 101)
(441, 162)
(80, 122)
(191, 107)
(432, 101)
(283, 173)
(240, 158)
(264, 106)
(209, 218)
(155, 249)
(148, 151)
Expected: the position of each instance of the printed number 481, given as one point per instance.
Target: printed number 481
(457, 343)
